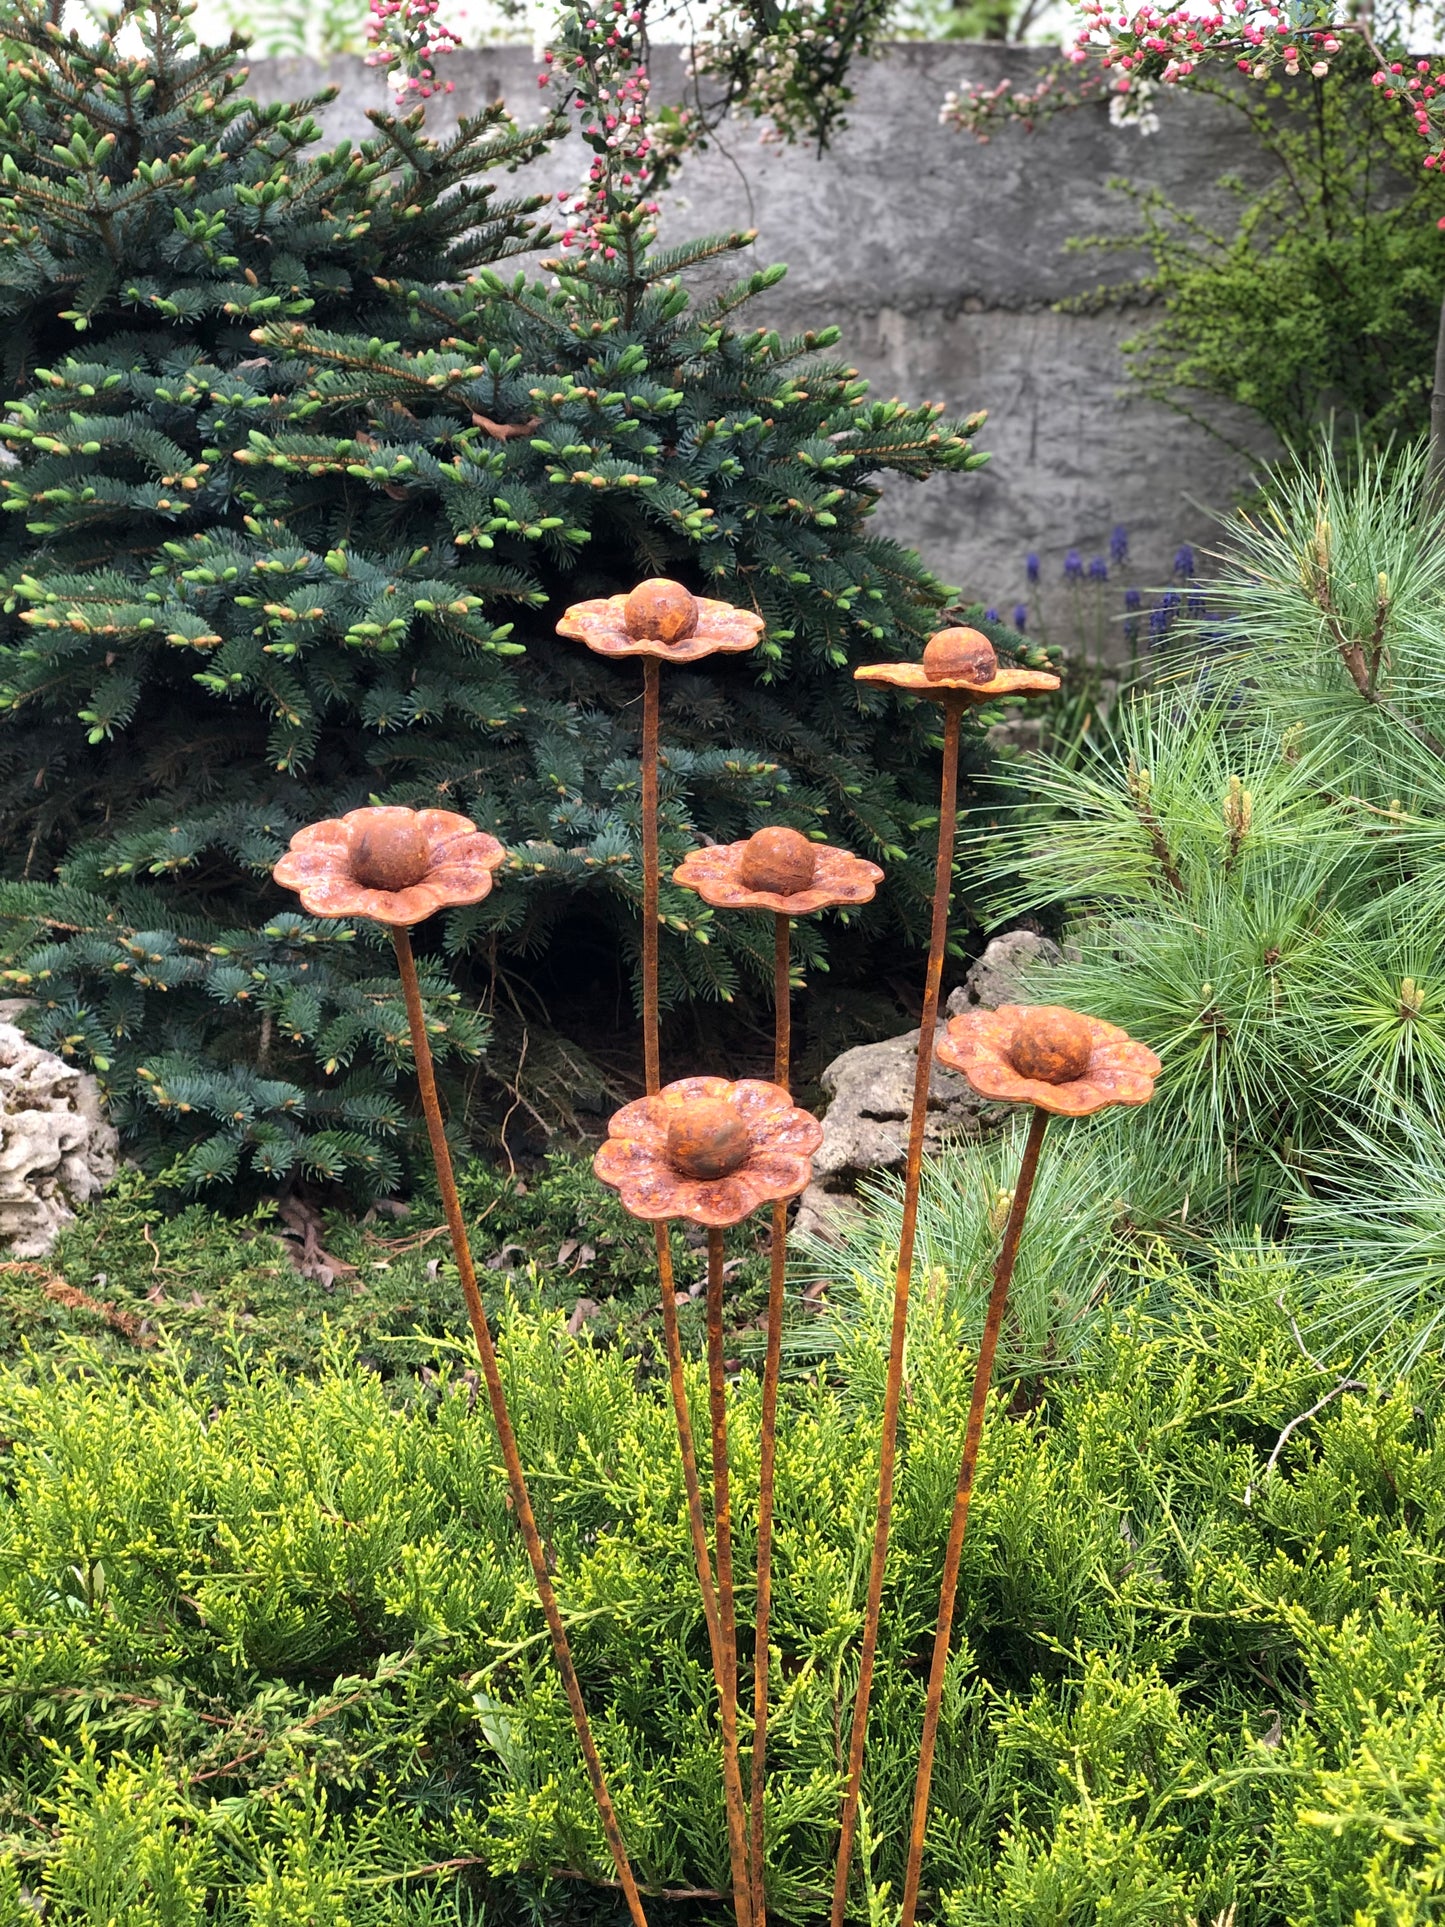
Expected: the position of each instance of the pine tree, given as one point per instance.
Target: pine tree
(1252, 866)
(303, 484)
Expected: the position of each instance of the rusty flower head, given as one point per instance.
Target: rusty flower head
(708, 1150)
(395, 866)
(779, 870)
(663, 619)
(1043, 1054)
(959, 664)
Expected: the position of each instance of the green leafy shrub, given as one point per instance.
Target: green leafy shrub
(272, 1654)
(302, 487)
(1322, 303)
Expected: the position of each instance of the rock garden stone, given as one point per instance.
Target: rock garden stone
(870, 1090)
(57, 1148)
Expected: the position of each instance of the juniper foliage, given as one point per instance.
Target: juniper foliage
(273, 1655)
(302, 485)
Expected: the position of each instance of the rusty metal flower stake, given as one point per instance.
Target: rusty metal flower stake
(711, 1152)
(1064, 1065)
(660, 621)
(779, 871)
(959, 670)
(397, 867)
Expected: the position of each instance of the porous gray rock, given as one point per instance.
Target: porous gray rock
(998, 976)
(870, 1090)
(57, 1148)
(865, 1128)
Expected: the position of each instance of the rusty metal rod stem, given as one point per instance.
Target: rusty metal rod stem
(727, 1610)
(767, 1455)
(963, 1493)
(651, 710)
(724, 1670)
(501, 1417)
(682, 1414)
(696, 1520)
(782, 999)
(888, 1444)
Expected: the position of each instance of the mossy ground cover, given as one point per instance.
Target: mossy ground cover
(272, 1654)
(146, 1272)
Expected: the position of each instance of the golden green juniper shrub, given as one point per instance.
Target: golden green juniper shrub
(271, 1653)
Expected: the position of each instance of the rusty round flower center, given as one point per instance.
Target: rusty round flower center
(706, 1138)
(960, 655)
(779, 860)
(660, 611)
(1051, 1044)
(389, 851)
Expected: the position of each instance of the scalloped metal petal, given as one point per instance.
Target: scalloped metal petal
(634, 1158)
(839, 879)
(340, 896)
(1121, 1070)
(329, 835)
(912, 677)
(722, 629)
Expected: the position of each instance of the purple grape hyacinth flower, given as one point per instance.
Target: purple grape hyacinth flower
(1073, 566)
(1021, 617)
(990, 615)
(1184, 561)
(1119, 544)
(1098, 570)
(1031, 565)
(1132, 599)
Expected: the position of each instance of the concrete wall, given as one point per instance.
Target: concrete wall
(940, 259)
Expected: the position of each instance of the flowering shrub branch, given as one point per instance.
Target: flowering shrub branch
(786, 65)
(789, 65)
(407, 38)
(1420, 86)
(597, 65)
(1133, 54)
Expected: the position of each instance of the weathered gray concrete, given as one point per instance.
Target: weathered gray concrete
(940, 259)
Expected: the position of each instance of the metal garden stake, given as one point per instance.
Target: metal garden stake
(960, 670)
(1062, 1064)
(777, 871)
(398, 867)
(713, 1152)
